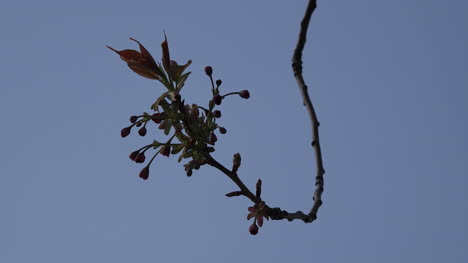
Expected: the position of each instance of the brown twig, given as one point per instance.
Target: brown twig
(234, 177)
(297, 68)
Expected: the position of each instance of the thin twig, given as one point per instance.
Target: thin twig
(234, 177)
(297, 68)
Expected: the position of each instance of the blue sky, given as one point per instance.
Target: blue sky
(389, 82)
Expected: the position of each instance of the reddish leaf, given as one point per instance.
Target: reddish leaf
(177, 70)
(141, 62)
(166, 59)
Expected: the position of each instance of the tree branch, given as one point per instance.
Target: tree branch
(297, 69)
(277, 213)
(234, 177)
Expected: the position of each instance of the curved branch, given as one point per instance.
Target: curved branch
(277, 213)
(297, 68)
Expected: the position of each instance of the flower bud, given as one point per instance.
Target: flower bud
(217, 114)
(217, 99)
(236, 162)
(142, 131)
(219, 82)
(144, 174)
(140, 158)
(158, 117)
(222, 130)
(133, 119)
(134, 155)
(166, 150)
(253, 229)
(235, 193)
(212, 139)
(244, 94)
(125, 132)
(259, 190)
(208, 71)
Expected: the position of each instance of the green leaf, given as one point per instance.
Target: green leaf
(177, 148)
(155, 105)
(181, 157)
(181, 81)
(167, 128)
(181, 137)
(187, 154)
(211, 105)
(163, 78)
(156, 144)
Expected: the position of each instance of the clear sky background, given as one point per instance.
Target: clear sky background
(389, 82)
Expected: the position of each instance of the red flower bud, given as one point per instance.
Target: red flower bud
(217, 99)
(144, 174)
(166, 150)
(222, 130)
(217, 114)
(208, 70)
(212, 139)
(134, 155)
(218, 82)
(253, 229)
(140, 158)
(244, 94)
(158, 117)
(125, 132)
(133, 119)
(142, 131)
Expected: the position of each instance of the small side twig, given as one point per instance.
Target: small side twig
(234, 177)
(277, 213)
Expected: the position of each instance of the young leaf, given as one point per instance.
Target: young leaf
(165, 54)
(141, 62)
(181, 81)
(177, 70)
(177, 148)
(167, 128)
(155, 105)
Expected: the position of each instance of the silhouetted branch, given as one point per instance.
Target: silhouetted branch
(196, 133)
(277, 213)
(297, 68)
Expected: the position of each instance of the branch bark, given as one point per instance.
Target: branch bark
(297, 69)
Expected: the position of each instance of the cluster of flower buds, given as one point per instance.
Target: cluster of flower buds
(141, 122)
(193, 126)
